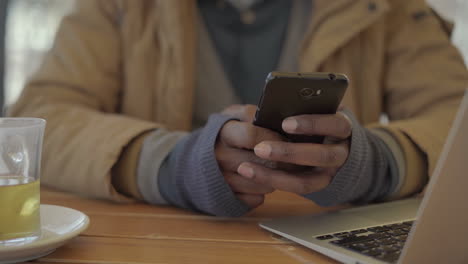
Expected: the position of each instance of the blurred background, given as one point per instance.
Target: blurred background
(27, 32)
(27, 29)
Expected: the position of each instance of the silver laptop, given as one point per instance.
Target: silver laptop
(433, 229)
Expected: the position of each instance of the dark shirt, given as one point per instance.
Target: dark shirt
(248, 52)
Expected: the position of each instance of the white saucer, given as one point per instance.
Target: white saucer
(58, 225)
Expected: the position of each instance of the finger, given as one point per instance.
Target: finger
(246, 135)
(306, 154)
(300, 183)
(244, 113)
(252, 200)
(230, 158)
(240, 184)
(336, 125)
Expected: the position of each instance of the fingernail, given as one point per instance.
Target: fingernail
(262, 150)
(246, 171)
(290, 124)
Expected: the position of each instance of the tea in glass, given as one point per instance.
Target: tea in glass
(20, 155)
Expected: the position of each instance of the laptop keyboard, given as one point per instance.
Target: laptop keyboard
(381, 242)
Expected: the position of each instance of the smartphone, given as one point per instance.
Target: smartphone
(289, 94)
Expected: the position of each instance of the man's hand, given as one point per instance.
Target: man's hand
(319, 162)
(235, 145)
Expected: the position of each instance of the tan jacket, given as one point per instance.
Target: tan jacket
(121, 68)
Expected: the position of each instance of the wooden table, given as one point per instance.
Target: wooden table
(140, 233)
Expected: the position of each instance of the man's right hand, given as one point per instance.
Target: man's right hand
(235, 145)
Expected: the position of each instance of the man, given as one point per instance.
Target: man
(127, 82)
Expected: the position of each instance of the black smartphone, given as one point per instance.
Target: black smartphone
(289, 94)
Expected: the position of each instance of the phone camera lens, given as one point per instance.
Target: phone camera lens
(332, 76)
(306, 93)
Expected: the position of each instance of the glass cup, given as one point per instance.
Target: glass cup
(20, 164)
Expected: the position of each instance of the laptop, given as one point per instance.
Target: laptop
(433, 229)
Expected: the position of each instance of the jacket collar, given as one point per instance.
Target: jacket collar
(334, 23)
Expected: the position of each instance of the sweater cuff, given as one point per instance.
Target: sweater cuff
(199, 182)
(156, 148)
(363, 177)
(416, 175)
(394, 153)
